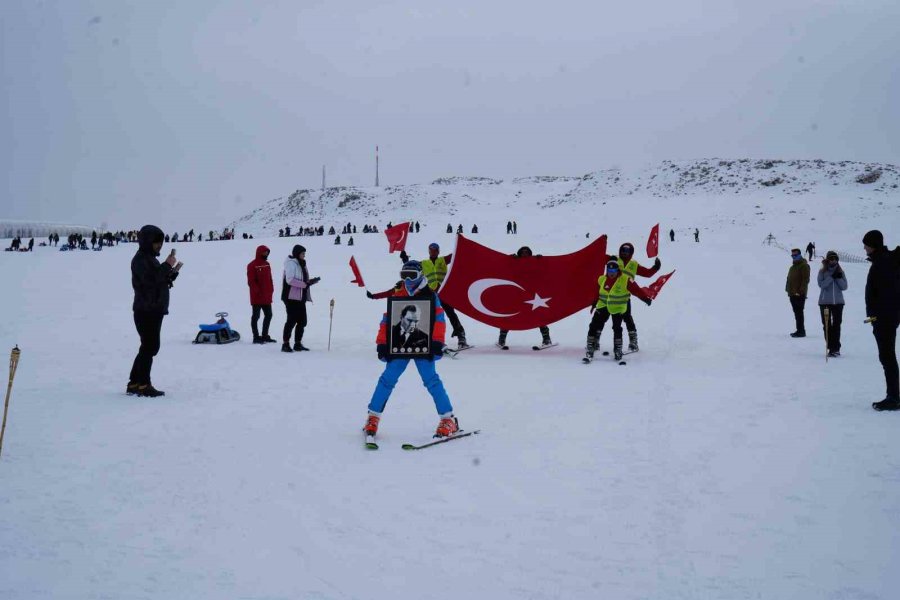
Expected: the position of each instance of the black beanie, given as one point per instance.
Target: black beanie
(873, 239)
(298, 249)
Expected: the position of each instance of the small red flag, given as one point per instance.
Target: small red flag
(358, 276)
(396, 237)
(657, 285)
(653, 242)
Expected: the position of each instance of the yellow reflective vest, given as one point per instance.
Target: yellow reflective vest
(616, 299)
(435, 271)
(630, 270)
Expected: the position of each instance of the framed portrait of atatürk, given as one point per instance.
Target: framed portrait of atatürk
(410, 327)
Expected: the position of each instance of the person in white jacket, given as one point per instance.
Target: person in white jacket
(832, 283)
(295, 293)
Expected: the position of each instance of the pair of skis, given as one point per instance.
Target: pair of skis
(535, 348)
(371, 444)
(453, 352)
(588, 361)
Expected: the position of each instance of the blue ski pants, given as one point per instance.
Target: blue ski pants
(430, 379)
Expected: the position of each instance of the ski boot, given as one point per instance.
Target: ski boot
(632, 341)
(461, 340)
(617, 349)
(590, 347)
(447, 426)
(545, 340)
(501, 341)
(371, 426)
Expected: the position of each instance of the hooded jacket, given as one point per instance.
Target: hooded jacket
(831, 288)
(295, 280)
(150, 279)
(797, 282)
(883, 285)
(259, 278)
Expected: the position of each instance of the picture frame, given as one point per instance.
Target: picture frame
(410, 327)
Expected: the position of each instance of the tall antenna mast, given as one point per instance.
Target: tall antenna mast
(376, 166)
(323, 178)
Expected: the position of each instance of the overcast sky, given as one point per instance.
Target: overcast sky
(124, 111)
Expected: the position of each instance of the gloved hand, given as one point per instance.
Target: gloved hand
(315, 280)
(404, 256)
(657, 264)
(837, 274)
(437, 349)
(382, 350)
(173, 275)
(648, 301)
(370, 295)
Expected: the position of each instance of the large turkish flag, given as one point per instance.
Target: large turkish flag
(521, 293)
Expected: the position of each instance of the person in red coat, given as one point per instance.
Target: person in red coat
(259, 278)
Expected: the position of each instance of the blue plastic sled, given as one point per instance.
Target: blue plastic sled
(219, 332)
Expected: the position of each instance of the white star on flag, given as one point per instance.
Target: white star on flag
(538, 302)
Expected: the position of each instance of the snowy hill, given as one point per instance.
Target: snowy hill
(726, 460)
(451, 198)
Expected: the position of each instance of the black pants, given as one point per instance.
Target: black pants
(836, 316)
(454, 320)
(797, 303)
(885, 333)
(545, 333)
(148, 326)
(629, 320)
(296, 318)
(267, 319)
(601, 316)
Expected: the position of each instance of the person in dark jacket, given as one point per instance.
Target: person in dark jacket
(883, 310)
(151, 282)
(259, 278)
(832, 285)
(796, 287)
(295, 284)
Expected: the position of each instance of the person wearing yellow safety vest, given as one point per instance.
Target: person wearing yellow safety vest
(631, 268)
(435, 270)
(612, 301)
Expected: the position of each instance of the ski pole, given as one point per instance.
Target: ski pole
(827, 314)
(13, 365)
(330, 321)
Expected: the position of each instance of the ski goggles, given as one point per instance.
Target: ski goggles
(626, 250)
(409, 275)
(612, 268)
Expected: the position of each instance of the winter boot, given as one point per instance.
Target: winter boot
(132, 388)
(286, 347)
(257, 340)
(632, 341)
(298, 347)
(590, 347)
(798, 334)
(617, 349)
(371, 426)
(887, 404)
(447, 426)
(148, 391)
(266, 339)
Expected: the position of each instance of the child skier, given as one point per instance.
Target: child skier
(615, 291)
(546, 342)
(415, 285)
(631, 268)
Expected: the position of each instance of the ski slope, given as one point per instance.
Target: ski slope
(726, 460)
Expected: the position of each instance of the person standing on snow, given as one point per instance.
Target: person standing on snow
(832, 285)
(415, 285)
(796, 287)
(435, 270)
(671, 235)
(883, 310)
(615, 289)
(259, 279)
(525, 252)
(151, 282)
(631, 268)
(295, 294)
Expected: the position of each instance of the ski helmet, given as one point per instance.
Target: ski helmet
(411, 271)
(626, 249)
(612, 264)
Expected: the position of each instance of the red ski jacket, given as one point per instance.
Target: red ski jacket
(259, 278)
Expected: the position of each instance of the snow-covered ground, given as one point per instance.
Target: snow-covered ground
(726, 460)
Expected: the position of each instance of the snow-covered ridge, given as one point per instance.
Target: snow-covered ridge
(462, 195)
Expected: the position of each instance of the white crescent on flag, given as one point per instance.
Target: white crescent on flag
(480, 286)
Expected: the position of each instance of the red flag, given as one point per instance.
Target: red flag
(521, 293)
(356, 274)
(657, 285)
(396, 236)
(653, 242)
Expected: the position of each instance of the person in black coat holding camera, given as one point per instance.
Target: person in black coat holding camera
(883, 310)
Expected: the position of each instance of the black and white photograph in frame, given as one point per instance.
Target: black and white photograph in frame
(409, 334)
